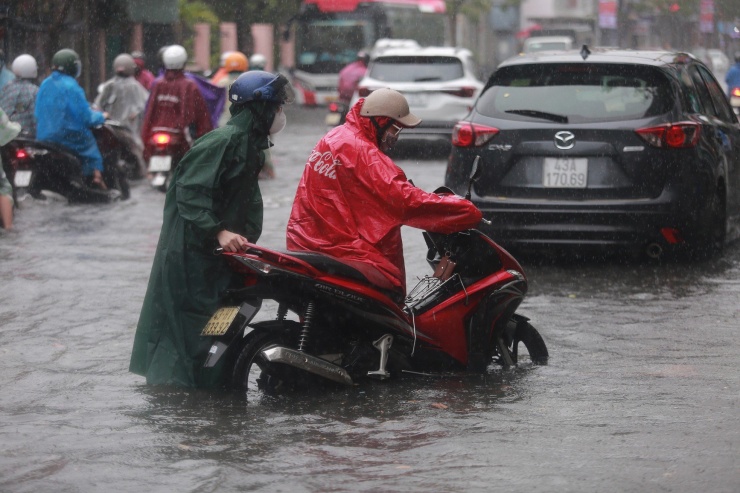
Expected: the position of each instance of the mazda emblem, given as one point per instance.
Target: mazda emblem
(565, 140)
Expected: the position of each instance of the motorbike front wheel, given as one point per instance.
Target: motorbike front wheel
(507, 346)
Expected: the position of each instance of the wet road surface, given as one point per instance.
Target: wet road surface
(642, 392)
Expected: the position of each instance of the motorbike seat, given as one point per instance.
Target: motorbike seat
(57, 148)
(330, 265)
(333, 266)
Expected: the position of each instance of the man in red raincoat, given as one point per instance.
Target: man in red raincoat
(352, 199)
(175, 103)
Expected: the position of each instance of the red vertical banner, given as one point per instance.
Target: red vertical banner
(706, 16)
(608, 14)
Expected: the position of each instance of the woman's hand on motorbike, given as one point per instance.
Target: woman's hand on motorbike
(232, 242)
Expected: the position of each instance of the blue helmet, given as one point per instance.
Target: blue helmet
(257, 85)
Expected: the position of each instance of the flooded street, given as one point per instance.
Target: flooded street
(642, 393)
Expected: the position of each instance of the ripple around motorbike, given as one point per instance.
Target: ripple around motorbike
(332, 326)
(33, 167)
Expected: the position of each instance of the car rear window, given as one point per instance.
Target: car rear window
(576, 93)
(416, 68)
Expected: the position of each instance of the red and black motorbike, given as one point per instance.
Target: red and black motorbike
(165, 147)
(33, 167)
(332, 325)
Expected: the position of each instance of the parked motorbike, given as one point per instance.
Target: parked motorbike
(461, 317)
(33, 166)
(166, 147)
(735, 100)
(337, 113)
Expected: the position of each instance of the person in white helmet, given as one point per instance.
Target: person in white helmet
(124, 99)
(257, 62)
(18, 97)
(175, 102)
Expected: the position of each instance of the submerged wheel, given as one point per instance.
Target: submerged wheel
(714, 241)
(253, 373)
(507, 342)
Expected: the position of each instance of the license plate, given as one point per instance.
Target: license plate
(220, 321)
(565, 172)
(22, 178)
(160, 164)
(159, 180)
(333, 119)
(416, 98)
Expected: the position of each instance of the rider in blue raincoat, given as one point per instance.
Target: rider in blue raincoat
(64, 117)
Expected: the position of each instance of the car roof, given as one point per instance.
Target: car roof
(426, 51)
(657, 58)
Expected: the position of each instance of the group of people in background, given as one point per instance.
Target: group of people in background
(57, 111)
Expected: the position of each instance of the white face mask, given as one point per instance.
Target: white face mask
(278, 124)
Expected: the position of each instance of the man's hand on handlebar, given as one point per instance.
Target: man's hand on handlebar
(232, 242)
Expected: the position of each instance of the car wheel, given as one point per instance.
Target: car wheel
(712, 242)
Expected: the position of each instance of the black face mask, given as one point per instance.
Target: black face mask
(387, 135)
(263, 115)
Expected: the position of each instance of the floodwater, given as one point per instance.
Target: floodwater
(642, 392)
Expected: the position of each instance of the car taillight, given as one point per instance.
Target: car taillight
(363, 92)
(333, 107)
(736, 92)
(21, 154)
(466, 134)
(461, 92)
(161, 139)
(671, 135)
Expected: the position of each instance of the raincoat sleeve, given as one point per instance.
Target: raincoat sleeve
(401, 202)
(197, 186)
(8, 130)
(149, 110)
(80, 110)
(202, 117)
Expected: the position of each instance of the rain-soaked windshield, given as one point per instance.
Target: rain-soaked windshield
(416, 69)
(325, 46)
(576, 93)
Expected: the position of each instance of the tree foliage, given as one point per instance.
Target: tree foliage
(193, 12)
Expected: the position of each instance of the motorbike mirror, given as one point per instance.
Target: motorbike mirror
(474, 175)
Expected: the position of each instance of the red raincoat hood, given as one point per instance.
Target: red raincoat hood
(363, 125)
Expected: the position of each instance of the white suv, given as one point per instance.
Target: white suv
(439, 83)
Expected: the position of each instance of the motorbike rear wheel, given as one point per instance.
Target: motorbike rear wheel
(507, 347)
(252, 372)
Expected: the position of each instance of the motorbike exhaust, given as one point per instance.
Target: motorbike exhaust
(654, 250)
(306, 362)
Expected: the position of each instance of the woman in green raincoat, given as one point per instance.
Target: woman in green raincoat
(214, 200)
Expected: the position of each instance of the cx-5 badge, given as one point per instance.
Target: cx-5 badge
(565, 140)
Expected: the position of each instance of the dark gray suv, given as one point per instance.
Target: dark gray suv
(610, 148)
